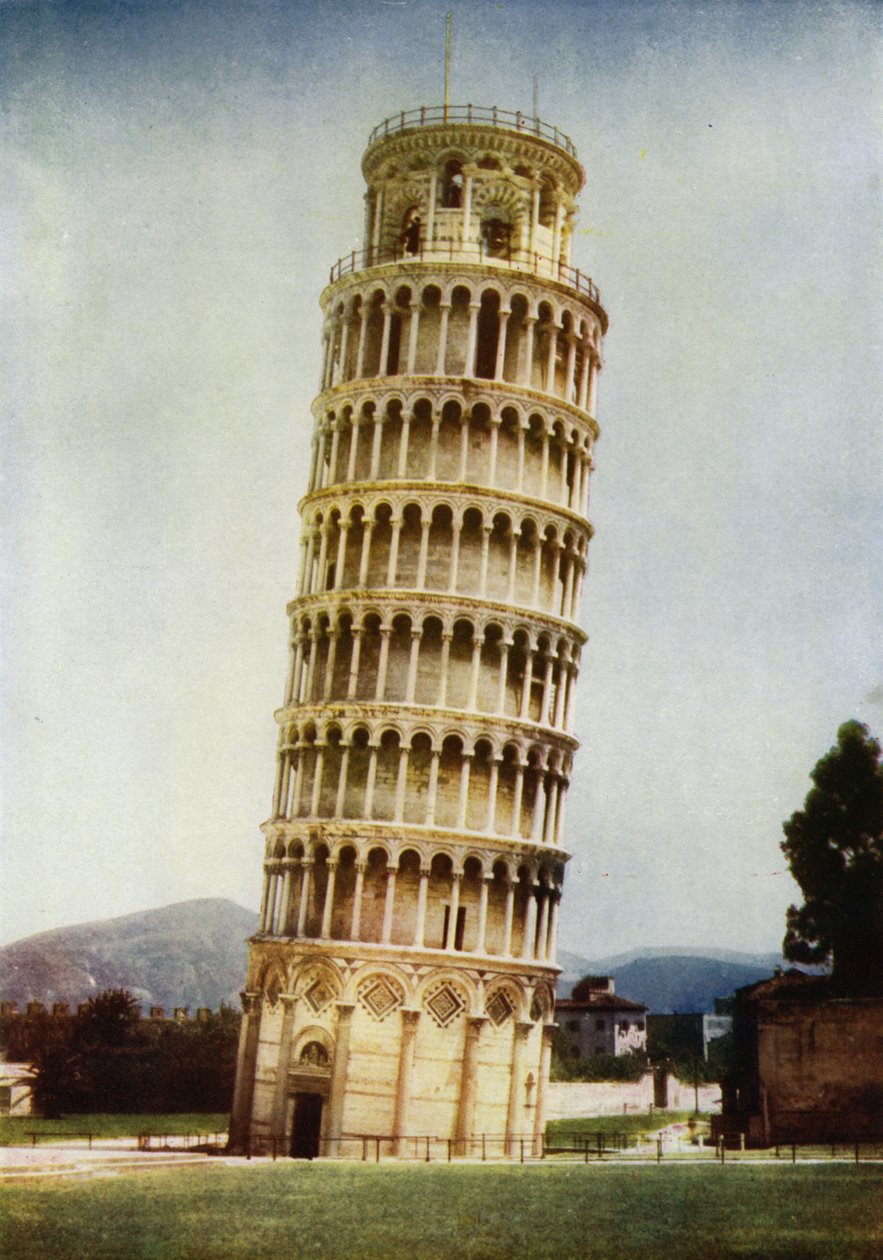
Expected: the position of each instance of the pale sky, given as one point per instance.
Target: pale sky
(178, 178)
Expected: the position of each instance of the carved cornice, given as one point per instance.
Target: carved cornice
(440, 389)
(389, 602)
(431, 494)
(437, 722)
(425, 840)
(505, 277)
(473, 140)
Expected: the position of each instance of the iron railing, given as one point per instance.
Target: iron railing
(587, 1147)
(438, 115)
(455, 251)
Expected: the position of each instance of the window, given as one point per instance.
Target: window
(458, 931)
(495, 234)
(452, 185)
(411, 231)
(624, 1026)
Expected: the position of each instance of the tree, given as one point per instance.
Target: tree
(834, 847)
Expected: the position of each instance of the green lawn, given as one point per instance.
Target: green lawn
(16, 1132)
(630, 1124)
(449, 1212)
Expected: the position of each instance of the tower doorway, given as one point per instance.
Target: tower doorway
(307, 1126)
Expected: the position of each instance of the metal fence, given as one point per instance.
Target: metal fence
(587, 1147)
(529, 261)
(439, 115)
(584, 1146)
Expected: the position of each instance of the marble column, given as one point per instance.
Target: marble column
(404, 1082)
(339, 1067)
(515, 1110)
(468, 1084)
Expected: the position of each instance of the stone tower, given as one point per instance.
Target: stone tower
(401, 983)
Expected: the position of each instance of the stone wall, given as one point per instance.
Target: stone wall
(573, 1099)
(820, 1069)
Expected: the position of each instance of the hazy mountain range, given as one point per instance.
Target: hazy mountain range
(193, 954)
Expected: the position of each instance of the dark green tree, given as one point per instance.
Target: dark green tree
(834, 846)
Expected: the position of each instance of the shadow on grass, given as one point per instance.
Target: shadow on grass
(430, 1212)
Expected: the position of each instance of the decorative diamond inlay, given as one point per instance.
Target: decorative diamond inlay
(319, 994)
(499, 1008)
(380, 997)
(444, 1005)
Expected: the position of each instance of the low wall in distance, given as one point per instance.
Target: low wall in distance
(572, 1099)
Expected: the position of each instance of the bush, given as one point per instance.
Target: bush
(106, 1059)
(596, 1067)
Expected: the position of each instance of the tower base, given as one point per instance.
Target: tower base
(357, 1051)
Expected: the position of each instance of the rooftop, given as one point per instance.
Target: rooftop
(440, 115)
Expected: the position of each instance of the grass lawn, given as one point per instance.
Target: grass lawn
(17, 1131)
(449, 1212)
(630, 1124)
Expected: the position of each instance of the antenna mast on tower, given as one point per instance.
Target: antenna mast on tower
(447, 65)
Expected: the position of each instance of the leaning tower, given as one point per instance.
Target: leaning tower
(401, 983)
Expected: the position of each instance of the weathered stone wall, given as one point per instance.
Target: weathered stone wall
(572, 1099)
(820, 1069)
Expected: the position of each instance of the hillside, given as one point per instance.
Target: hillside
(190, 954)
(193, 954)
(670, 982)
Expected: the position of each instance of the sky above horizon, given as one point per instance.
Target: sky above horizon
(181, 174)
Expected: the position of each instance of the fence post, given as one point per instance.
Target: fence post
(427, 1148)
(723, 1146)
(449, 1150)
(483, 1149)
(856, 1152)
(659, 1150)
(793, 1153)
(377, 1150)
(521, 1140)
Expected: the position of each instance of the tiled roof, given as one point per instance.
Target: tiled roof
(599, 1002)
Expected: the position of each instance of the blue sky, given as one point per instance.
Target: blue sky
(180, 177)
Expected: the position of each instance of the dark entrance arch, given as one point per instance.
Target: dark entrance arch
(307, 1126)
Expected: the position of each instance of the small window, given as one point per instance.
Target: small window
(452, 186)
(411, 231)
(459, 930)
(624, 1026)
(640, 1027)
(495, 234)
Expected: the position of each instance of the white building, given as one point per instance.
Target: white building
(596, 1021)
(401, 984)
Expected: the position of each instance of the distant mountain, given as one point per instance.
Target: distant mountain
(671, 981)
(190, 954)
(193, 954)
